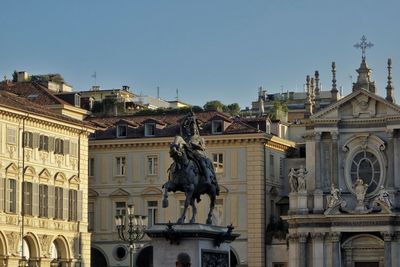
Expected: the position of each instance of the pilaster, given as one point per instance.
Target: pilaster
(303, 249)
(318, 160)
(387, 238)
(317, 248)
(334, 238)
(335, 160)
(390, 157)
(294, 250)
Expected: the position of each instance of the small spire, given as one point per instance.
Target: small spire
(389, 87)
(317, 91)
(334, 90)
(308, 103)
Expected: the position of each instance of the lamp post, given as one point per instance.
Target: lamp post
(135, 230)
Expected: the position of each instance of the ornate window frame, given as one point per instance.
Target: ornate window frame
(369, 143)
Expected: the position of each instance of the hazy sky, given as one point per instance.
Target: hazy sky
(208, 49)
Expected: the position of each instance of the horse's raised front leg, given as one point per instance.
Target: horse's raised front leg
(188, 193)
(194, 210)
(212, 205)
(165, 194)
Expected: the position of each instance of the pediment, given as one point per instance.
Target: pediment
(119, 193)
(359, 104)
(151, 191)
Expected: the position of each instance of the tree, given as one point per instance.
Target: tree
(214, 105)
(15, 76)
(233, 108)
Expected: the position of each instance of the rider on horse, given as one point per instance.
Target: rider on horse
(195, 148)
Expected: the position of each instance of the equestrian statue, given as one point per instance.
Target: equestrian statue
(192, 172)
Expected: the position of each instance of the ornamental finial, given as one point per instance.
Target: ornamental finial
(363, 45)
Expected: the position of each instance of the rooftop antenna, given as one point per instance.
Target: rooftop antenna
(158, 92)
(177, 94)
(94, 76)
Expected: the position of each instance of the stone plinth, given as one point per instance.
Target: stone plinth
(207, 245)
(318, 201)
(298, 202)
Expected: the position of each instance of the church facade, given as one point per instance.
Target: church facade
(343, 203)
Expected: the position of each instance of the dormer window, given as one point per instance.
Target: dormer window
(77, 100)
(217, 126)
(122, 131)
(149, 129)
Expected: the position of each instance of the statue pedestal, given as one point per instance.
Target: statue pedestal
(318, 201)
(298, 203)
(207, 245)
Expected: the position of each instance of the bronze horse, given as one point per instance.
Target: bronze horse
(185, 176)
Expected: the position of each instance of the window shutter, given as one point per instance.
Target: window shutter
(51, 143)
(17, 197)
(79, 206)
(2, 194)
(7, 195)
(51, 201)
(35, 142)
(35, 199)
(65, 203)
(66, 147)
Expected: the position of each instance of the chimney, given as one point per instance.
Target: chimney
(125, 87)
(22, 76)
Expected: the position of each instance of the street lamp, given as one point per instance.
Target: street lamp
(135, 230)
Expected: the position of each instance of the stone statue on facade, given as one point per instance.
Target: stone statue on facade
(334, 198)
(360, 189)
(301, 179)
(292, 180)
(382, 201)
(297, 180)
(192, 172)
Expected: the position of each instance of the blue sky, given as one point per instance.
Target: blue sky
(209, 49)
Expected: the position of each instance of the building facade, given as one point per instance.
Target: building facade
(129, 161)
(346, 213)
(43, 185)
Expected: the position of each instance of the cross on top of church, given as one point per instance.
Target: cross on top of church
(363, 45)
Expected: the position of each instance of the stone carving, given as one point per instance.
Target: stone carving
(45, 243)
(360, 189)
(301, 178)
(292, 180)
(382, 201)
(13, 238)
(334, 198)
(211, 258)
(297, 180)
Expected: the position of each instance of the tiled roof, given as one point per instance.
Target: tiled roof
(13, 101)
(107, 125)
(34, 92)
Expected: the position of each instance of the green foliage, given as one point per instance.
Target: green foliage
(233, 108)
(279, 110)
(56, 77)
(15, 76)
(161, 111)
(214, 105)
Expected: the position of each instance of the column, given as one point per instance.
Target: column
(387, 237)
(335, 240)
(335, 166)
(390, 157)
(303, 249)
(318, 249)
(293, 250)
(317, 160)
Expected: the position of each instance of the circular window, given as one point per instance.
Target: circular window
(120, 253)
(365, 165)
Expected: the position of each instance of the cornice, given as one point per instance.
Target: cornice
(259, 138)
